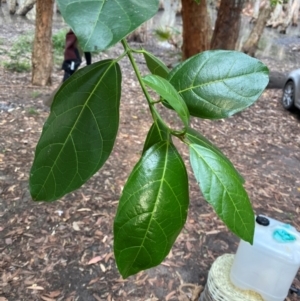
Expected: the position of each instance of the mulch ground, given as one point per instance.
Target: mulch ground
(63, 250)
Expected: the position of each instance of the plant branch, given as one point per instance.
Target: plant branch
(129, 51)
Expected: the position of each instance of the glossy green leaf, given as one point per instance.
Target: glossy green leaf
(169, 93)
(196, 138)
(99, 24)
(155, 65)
(157, 133)
(218, 83)
(80, 132)
(223, 189)
(152, 210)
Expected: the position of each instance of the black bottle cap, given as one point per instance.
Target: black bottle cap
(263, 221)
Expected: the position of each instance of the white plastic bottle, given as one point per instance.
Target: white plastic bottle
(269, 265)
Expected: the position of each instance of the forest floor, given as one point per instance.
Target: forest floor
(63, 250)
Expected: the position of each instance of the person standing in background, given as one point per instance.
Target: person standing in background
(72, 56)
(72, 61)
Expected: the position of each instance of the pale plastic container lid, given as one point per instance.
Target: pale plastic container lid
(277, 239)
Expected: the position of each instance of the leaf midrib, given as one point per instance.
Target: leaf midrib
(155, 209)
(75, 123)
(216, 81)
(201, 157)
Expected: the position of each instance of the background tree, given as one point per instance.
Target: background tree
(12, 4)
(42, 60)
(256, 7)
(276, 16)
(291, 15)
(196, 31)
(227, 26)
(251, 44)
(26, 7)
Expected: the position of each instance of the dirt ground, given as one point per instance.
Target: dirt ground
(63, 250)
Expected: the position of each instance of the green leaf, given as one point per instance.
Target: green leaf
(157, 133)
(152, 210)
(223, 189)
(196, 138)
(80, 132)
(155, 65)
(169, 93)
(99, 24)
(218, 83)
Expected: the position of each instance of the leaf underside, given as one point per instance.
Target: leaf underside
(99, 24)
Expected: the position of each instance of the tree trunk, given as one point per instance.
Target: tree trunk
(162, 4)
(251, 44)
(12, 4)
(196, 27)
(168, 17)
(26, 7)
(296, 14)
(42, 49)
(255, 13)
(276, 18)
(228, 24)
(292, 9)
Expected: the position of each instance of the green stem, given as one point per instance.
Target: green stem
(155, 115)
(121, 56)
(128, 51)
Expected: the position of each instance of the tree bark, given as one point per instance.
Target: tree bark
(12, 4)
(293, 8)
(26, 7)
(276, 18)
(196, 27)
(251, 44)
(168, 17)
(228, 24)
(296, 14)
(42, 58)
(255, 13)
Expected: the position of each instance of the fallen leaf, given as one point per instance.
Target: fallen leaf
(97, 297)
(54, 294)
(8, 241)
(84, 209)
(102, 267)
(75, 226)
(93, 281)
(170, 295)
(35, 287)
(47, 299)
(95, 260)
